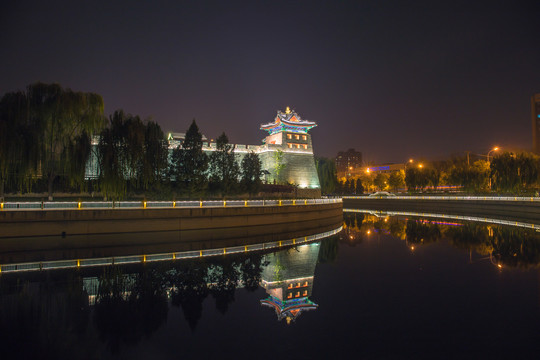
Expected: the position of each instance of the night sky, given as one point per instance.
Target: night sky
(394, 80)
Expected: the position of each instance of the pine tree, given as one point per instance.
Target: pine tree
(251, 173)
(224, 171)
(190, 164)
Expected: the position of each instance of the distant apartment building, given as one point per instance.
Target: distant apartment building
(535, 117)
(348, 163)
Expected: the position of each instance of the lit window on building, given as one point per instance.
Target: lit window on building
(305, 284)
(305, 146)
(304, 137)
(290, 286)
(297, 137)
(289, 145)
(289, 136)
(289, 296)
(297, 294)
(297, 146)
(305, 293)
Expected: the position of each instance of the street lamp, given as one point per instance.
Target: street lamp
(490, 151)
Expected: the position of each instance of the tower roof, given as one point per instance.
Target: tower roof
(288, 120)
(290, 309)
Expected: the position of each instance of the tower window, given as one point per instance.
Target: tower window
(297, 137)
(304, 137)
(289, 145)
(289, 136)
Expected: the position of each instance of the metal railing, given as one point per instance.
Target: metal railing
(147, 204)
(449, 197)
(133, 259)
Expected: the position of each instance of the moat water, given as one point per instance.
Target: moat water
(389, 287)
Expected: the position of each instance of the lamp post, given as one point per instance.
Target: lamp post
(490, 151)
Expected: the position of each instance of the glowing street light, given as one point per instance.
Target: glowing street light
(420, 165)
(496, 148)
(368, 171)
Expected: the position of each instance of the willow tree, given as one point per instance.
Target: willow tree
(111, 169)
(154, 162)
(18, 142)
(65, 120)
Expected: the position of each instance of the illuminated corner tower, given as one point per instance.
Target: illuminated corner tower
(535, 114)
(288, 280)
(288, 152)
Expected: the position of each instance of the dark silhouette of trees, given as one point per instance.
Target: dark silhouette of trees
(396, 180)
(326, 170)
(512, 173)
(53, 128)
(154, 165)
(224, 170)
(251, 170)
(132, 155)
(19, 153)
(65, 121)
(189, 163)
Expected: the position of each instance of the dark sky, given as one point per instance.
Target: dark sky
(392, 79)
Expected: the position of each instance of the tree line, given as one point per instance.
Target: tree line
(507, 172)
(46, 135)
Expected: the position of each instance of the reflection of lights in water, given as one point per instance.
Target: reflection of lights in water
(457, 217)
(300, 244)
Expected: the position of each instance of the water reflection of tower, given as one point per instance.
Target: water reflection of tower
(288, 280)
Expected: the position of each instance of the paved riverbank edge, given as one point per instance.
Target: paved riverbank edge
(64, 223)
(519, 210)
